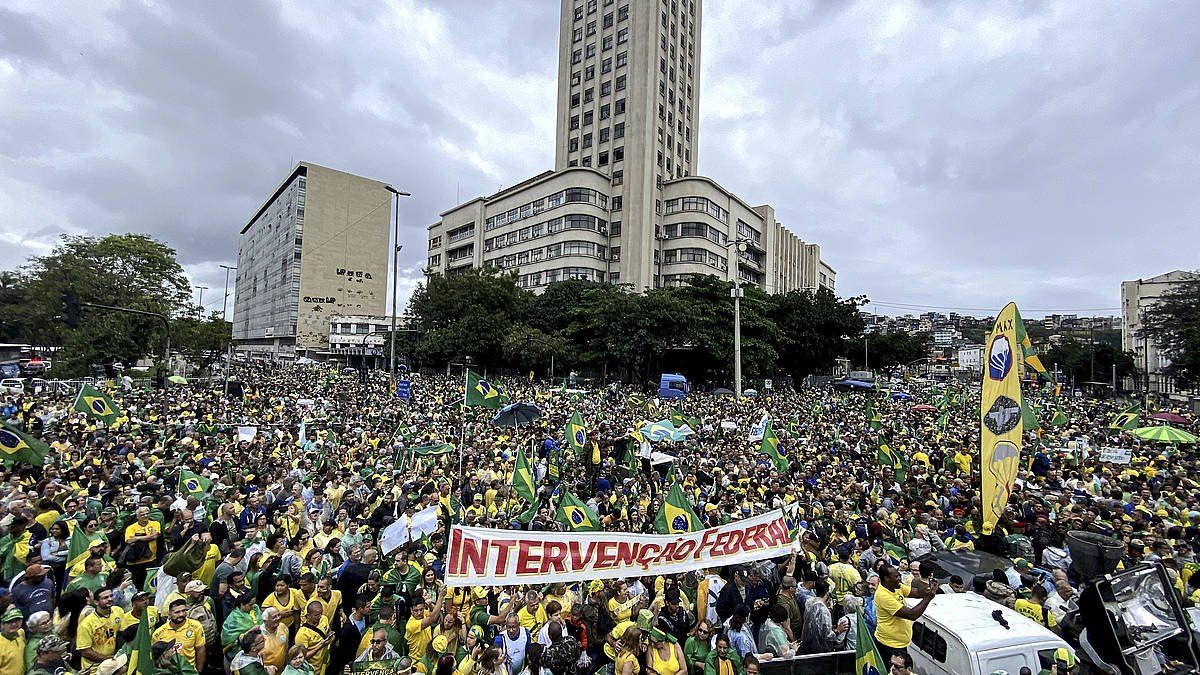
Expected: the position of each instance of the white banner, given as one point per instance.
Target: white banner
(486, 557)
(399, 533)
(1116, 455)
(247, 434)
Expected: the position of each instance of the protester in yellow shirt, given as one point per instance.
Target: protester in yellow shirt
(96, 636)
(893, 633)
(187, 633)
(287, 600)
(418, 632)
(12, 643)
(314, 637)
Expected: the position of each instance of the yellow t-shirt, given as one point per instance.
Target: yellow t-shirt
(275, 648)
(626, 657)
(295, 600)
(135, 530)
(418, 638)
(12, 655)
(963, 460)
(844, 576)
(308, 639)
(98, 633)
(891, 629)
(617, 631)
(329, 608)
(209, 567)
(1034, 611)
(189, 637)
(531, 621)
(128, 619)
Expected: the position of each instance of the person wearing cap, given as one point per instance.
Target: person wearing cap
(12, 643)
(52, 653)
(201, 607)
(187, 633)
(168, 659)
(96, 636)
(664, 655)
(35, 591)
(113, 666)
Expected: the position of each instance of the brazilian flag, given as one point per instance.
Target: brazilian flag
(1127, 419)
(676, 515)
(867, 659)
(96, 404)
(141, 661)
(576, 434)
(888, 457)
(193, 484)
(1027, 353)
(576, 515)
(482, 393)
(770, 447)
(873, 418)
(522, 480)
(1029, 418)
(18, 447)
(1060, 418)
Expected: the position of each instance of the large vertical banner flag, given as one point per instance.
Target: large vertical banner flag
(1000, 417)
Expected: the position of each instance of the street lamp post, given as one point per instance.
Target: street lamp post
(200, 301)
(396, 246)
(737, 293)
(225, 304)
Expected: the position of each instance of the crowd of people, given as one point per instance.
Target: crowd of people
(274, 565)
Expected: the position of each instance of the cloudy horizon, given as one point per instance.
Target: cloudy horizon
(943, 154)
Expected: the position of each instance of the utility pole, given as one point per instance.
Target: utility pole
(739, 245)
(396, 246)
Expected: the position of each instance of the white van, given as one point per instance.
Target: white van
(12, 385)
(958, 635)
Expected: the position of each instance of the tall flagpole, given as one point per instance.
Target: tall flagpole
(462, 427)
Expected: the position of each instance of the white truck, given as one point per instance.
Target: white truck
(967, 634)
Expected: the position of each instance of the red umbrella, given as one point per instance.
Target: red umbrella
(1170, 417)
(923, 408)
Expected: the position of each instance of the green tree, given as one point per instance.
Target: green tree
(814, 329)
(706, 351)
(12, 300)
(889, 349)
(1173, 325)
(466, 314)
(133, 271)
(201, 342)
(1074, 359)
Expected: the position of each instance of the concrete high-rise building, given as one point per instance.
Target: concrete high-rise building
(316, 249)
(623, 203)
(1136, 297)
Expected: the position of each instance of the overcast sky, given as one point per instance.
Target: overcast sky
(952, 154)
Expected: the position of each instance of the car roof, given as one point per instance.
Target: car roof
(969, 616)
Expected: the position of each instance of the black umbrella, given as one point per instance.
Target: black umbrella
(516, 415)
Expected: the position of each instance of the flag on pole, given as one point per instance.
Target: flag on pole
(482, 393)
(193, 484)
(576, 434)
(770, 447)
(1027, 354)
(96, 404)
(676, 515)
(522, 480)
(867, 659)
(759, 430)
(576, 515)
(18, 447)
(1029, 416)
(886, 456)
(1000, 419)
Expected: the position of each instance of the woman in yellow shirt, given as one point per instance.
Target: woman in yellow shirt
(621, 605)
(629, 648)
(287, 600)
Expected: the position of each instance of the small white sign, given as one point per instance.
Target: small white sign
(247, 434)
(1116, 455)
(767, 384)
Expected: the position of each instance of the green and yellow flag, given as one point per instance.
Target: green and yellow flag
(193, 484)
(873, 418)
(1127, 419)
(79, 547)
(1031, 359)
(576, 434)
(482, 393)
(898, 462)
(96, 404)
(576, 515)
(770, 447)
(676, 515)
(1000, 418)
(522, 480)
(1060, 418)
(141, 661)
(18, 447)
(867, 659)
(1029, 416)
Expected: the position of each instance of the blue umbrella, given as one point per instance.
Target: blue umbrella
(516, 415)
(901, 396)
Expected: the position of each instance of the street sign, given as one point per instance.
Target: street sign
(767, 384)
(403, 389)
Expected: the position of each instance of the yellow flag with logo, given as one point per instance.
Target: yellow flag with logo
(1000, 417)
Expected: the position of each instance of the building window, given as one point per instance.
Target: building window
(435, 242)
(623, 13)
(575, 100)
(614, 228)
(578, 13)
(589, 94)
(618, 177)
(573, 145)
(587, 161)
(623, 36)
(591, 28)
(605, 111)
(587, 117)
(578, 35)
(608, 20)
(622, 58)
(606, 65)
(604, 135)
(616, 203)
(577, 56)
(574, 122)
(619, 107)
(607, 43)
(603, 161)
(605, 88)
(587, 140)
(619, 130)
(618, 154)
(589, 72)
(590, 50)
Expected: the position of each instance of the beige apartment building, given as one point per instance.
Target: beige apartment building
(623, 203)
(1136, 297)
(316, 249)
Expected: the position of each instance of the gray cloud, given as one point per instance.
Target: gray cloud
(947, 153)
